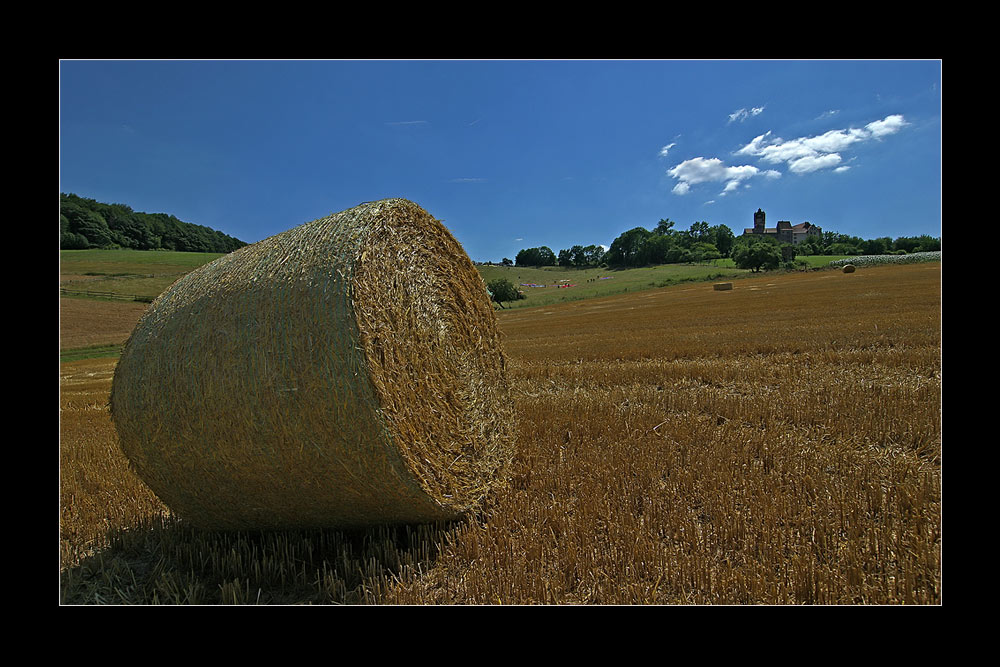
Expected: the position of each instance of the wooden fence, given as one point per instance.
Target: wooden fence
(106, 295)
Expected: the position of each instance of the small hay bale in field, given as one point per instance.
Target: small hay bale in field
(719, 287)
(344, 373)
(849, 268)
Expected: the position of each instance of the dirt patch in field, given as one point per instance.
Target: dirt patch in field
(84, 322)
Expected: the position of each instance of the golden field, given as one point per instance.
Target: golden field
(779, 443)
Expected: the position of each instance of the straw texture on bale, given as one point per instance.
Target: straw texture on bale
(722, 286)
(849, 268)
(344, 373)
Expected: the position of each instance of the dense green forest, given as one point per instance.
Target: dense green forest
(703, 242)
(86, 223)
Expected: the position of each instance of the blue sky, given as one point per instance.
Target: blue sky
(511, 154)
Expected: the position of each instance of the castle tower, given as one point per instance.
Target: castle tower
(758, 222)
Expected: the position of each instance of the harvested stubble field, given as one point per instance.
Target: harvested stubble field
(88, 322)
(779, 443)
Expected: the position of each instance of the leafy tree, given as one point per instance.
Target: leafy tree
(506, 262)
(108, 225)
(70, 241)
(654, 250)
(593, 255)
(566, 257)
(813, 245)
(788, 252)
(581, 256)
(542, 256)
(131, 233)
(665, 226)
(92, 226)
(626, 249)
(923, 243)
(704, 252)
(501, 290)
(723, 238)
(874, 247)
(678, 255)
(929, 243)
(757, 254)
(698, 232)
(841, 248)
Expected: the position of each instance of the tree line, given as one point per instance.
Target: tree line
(664, 244)
(86, 223)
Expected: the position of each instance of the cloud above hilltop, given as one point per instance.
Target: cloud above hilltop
(808, 154)
(713, 170)
(802, 155)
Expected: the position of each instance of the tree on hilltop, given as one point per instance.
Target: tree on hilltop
(542, 256)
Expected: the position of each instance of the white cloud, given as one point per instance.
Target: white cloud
(710, 170)
(802, 155)
(784, 151)
(666, 149)
(756, 145)
(835, 140)
(810, 163)
(741, 115)
(808, 154)
(778, 150)
(886, 126)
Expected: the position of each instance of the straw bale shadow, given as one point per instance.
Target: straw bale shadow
(169, 562)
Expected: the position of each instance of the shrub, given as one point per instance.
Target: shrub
(757, 255)
(502, 290)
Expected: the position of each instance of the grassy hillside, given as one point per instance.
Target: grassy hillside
(121, 278)
(541, 285)
(126, 273)
(143, 273)
(132, 261)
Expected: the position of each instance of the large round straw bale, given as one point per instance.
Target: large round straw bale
(344, 373)
(849, 268)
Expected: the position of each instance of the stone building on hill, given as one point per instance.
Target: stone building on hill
(785, 232)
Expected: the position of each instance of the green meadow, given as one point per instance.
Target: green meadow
(548, 285)
(127, 273)
(146, 273)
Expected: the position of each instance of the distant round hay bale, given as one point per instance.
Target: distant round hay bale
(344, 373)
(719, 287)
(849, 268)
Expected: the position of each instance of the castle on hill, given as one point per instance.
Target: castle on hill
(785, 232)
